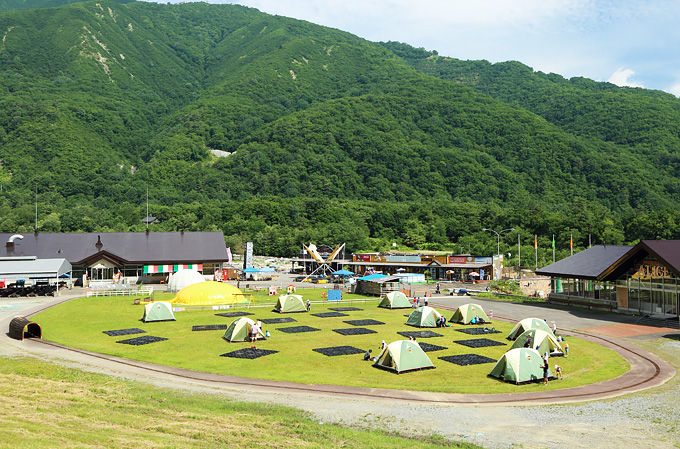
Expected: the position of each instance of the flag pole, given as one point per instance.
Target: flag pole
(519, 254)
(536, 249)
(553, 248)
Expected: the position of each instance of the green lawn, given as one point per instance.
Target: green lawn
(80, 323)
(50, 406)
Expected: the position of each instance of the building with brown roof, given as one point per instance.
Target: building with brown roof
(105, 256)
(642, 279)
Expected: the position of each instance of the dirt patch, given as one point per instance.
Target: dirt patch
(627, 330)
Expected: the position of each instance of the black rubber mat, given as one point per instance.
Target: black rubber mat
(278, 320)
(345, 309)
(297, 329)
(210, 327)
(234, 314)
(118, 333)
(478, 330)
(479, 343)
(143, 340)
(467, 359)
(355, 331)
(363, 322)
(419, 334)
(339, 350)
(427, 347)
(329, 314)
(248, 353)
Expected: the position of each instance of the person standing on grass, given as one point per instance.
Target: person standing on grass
(566, 349)
(558, 371)
(254, 329)
(545, 367)
(309, 305)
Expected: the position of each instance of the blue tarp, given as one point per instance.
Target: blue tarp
(343, 273)
(251, 270)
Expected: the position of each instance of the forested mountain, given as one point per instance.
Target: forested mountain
(283, 132)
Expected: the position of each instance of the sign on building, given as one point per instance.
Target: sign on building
(248, 257)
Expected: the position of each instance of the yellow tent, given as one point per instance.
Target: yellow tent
(209, 293)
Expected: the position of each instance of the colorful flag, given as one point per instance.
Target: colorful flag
(571, 242)
(553, 241)
(535, 241)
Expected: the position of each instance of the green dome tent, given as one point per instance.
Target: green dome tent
(465, 313)
(423, 317)
(239, 330)
(519, 365)
(403, 355)
(528, 324)
(158, 311)
(541, 341)
(290, 304)
(395, 300)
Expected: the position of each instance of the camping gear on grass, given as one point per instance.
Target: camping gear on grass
(158, 311)
(209, 293)
(528, 324)
(184, 278)
(423, 317)
(290, 304)
(465, 313)
(403, 355)
(541, 341)
(520, 365)
(395, 300)
(239, 330)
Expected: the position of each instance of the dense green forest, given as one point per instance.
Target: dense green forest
(281, 132)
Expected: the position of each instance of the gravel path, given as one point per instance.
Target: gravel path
(646, 419)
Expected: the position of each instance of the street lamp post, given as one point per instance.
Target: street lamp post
(498, 235)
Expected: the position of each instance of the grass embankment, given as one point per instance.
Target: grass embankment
(80, 323)
(48, 406)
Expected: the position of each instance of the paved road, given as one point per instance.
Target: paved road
(489, 424)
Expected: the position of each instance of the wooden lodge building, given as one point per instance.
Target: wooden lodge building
(643, 279)
(128, 256)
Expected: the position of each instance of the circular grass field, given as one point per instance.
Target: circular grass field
(82, 323)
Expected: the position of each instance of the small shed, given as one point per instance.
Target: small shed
(377, 286)
(21, 327)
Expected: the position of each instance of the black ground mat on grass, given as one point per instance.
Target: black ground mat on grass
(355, 331)
(427, 347)
(329, 314)
(479, 343)
(339, 350)
(248, 353)
(479, 330)
(345, 309)
(118, 333)
(143, 340)
(210, 327)
(234, 314)
(467, 359)
(297, 329)
(419, 334)
(363, 322)
(278, 320)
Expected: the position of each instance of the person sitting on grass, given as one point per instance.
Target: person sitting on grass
(367, 356)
